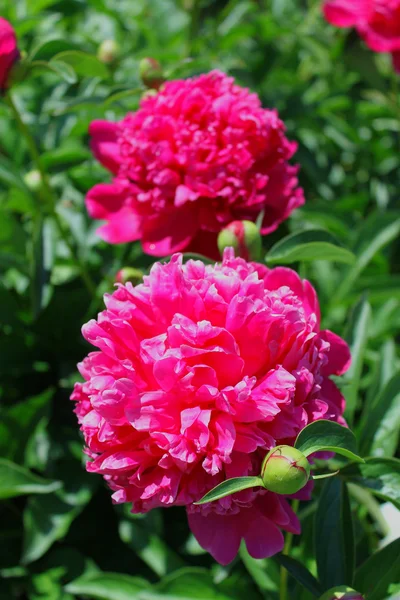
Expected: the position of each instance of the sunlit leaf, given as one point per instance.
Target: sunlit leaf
(327, 436)
(312, 244)
(17, 481)
(230, 486)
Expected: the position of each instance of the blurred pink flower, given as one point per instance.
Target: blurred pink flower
(197, 155)
(9, 52)
(377, 22)
(200, 371)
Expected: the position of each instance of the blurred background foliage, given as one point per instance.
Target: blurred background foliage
(61, 538)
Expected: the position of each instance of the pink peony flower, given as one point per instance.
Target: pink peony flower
(9, 52)
(200, 371)
(377, 21)
(197, 155)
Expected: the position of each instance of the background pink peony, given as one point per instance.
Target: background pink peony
(199, 154)
(199, 371)
(9, 52)
(377, 21)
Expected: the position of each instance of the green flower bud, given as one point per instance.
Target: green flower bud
(244, 237)
(342, 592)
(285, 470)
(131, 274)
(151, 73)
(108, 51)
(33, 180)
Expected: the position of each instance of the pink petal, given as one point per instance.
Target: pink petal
(339, 357)
(218, 534)
(104, 144)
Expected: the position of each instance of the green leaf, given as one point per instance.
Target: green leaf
(36, 6)
(17, 481)
(230, 486)
(83, 64)
(48, 519)
(151, 548)
(18, 425)
(380, 432)
(64, 70)
(312, 244)
(378, 233)
(264, 572)
(43, 250)
(186, 584)
(67, 156)
(379, 571)
(327, 436)
(108, 586)
(381, 476)
(334, 543)
(300, 573)
(47, 50)
(357, 336)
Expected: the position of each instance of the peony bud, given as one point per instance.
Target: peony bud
(285, 470)
(33, 180)
(108, 51)
(151, 73)
(244, 237)
(343, 592)
(131, 274)
(9, 53)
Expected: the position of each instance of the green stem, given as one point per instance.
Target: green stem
(48, 196)
(194, 14)
(366, 498)
(283, 587)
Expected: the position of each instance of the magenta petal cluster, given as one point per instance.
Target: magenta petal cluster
(199, 371)
(200, 153)
(377, 22)
(9, 52)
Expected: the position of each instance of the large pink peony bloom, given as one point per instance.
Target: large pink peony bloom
(377, 21)
(199, 154)
(199, 371)
(9, 52)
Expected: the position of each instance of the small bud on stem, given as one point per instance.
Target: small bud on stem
(244, 237)
(285, 470)
(342, 593)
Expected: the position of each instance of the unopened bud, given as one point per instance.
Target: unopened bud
(244, 237)
(108, 51)
(285, 470)
(342, 592)
(131, 274)
(151, 73)
(33, 180)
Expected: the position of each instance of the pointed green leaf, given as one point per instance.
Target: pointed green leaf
(380, 431)
(190, 583)
(325, 475)
(230, 486)
(82, 63)
(327, 436)
(17, 481)
(381, 476)
(378, 231)
(48, 519)
(379, 571)
(300, 573)
(312, 244)
(334, 543)
(62, 69)
(356, 336)
(108, 586)
(46, 50)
